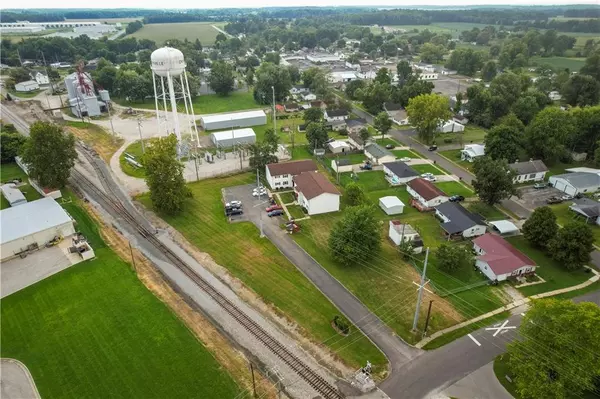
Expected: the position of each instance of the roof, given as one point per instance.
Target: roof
(335, 123)
(389, 106)
(12, 194)
(338, 144)
(580, 179)
(356, 138)
(390, 201)
(336, 112)
(316, 104)
(583, 169)
(232, 116)
(233, 134)
(28, 83)
(291, 105)
(399, 226)
(586, 207)
(32, 217)
(292, 168)
(475, 150)
(460, 218)
(504, 226)
(400, 169)
(356, 122)
(527, 167)
(501, 257)
(312, 184)
(426, 189)
(377, 151)
(342, 162)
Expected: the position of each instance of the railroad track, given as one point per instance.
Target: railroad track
(304, 371)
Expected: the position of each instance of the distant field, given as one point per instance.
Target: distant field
(181, 31)
(574, 64)
(453, 28)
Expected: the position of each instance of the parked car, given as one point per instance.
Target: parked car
(433, 147)
(405, 159)
(276, 212)
(366, 166)
(553, 200)
(235, 203)
(390, 146)
(273, 208)
(456, 198)
(429, 176)
(539, 186)
(233, 211)
(566, 197)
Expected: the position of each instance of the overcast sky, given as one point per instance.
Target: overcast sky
(278, 3)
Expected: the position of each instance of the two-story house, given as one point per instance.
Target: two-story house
(281, 175)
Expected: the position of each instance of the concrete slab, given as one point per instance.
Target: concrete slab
(16, 381)
(481, 384)
(21, 273)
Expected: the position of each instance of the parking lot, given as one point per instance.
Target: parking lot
(252, 206)
(534, 198)
(449, 86)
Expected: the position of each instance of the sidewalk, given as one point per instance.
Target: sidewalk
(510, 306)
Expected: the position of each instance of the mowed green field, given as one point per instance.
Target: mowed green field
(574, 64)
(95, 331)
(160, 33)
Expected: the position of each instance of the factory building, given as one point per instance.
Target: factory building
(35, 27)
(230, 138)
(83, 101)
(233, 120)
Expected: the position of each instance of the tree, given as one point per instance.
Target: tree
(541, 228)
(493, 180)
(503, 142)
(313, 114)
(426, 113)
(459, 102)
(221, 78)
(250, 78)
(364, 134)
(572, 245)
(557, 355)
(383, 76)
(465, 61)
(356, 237)
(382, 123)
(271, 140)
(548, 134)
(10, 145)
(374, 95)
(489, 70)
(413, 88)
(592, 66)
(267, 76)
(316, 135)
(353, 87)
(451, 258)
(354, 194)
(107, 77)
(261, 155)
(525, 108)
(164, 175)
(294, 73)
(49, 154)
(403, 72)
(19, 74)
(431, 53)
(581, 90)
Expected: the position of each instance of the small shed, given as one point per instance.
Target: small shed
(230, 138)
(338, 147)
(27, 86)
(341, 165)
(391, 205)
(399, 232)
(504, 227)
(12, 194)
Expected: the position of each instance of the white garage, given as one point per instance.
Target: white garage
(32, 225)
(391, 205)
(577, 182)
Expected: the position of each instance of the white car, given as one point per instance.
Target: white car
(566, 197)
(428, 176)
(405, 159)
(261, 192)
(235, 203)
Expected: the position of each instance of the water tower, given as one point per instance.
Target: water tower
(170, 88)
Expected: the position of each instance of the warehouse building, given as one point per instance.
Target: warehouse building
(233, 120)
(32, 225)
(230, 138)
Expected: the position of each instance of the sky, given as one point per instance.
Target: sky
(277, 3)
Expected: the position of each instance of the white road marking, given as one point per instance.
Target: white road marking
(502, 328)
(474, 340)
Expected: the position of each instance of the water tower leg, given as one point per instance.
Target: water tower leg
(173, 107)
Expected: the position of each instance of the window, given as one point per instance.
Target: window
(532, 176)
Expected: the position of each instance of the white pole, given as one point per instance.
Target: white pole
(191, 108)
(420, 296)
(187, 112)
(164, 97)
(173, 107)
(262, 234)
(156, 103)
(139, 123)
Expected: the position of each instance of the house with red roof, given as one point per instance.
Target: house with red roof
(316, 193)
(499, 260)
(425, 194)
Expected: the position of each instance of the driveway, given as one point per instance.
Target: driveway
(253, 207)
(16, 381)
(532, 198)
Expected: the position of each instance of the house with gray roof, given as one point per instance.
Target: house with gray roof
(398, 172)
(532, 170)
(587, 208)
(377, 154)
(457, 221)
(577, 182)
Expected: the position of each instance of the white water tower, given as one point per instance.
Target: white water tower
(170, 89)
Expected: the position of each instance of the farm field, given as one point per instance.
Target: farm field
(453, 28)
(11, 171)
(107, 20)
(574, 64)
(160, 33)
(94, 330)
(264, 270)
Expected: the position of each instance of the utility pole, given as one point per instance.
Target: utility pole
(337, 168)
(420, 296)
(427, 319)
(274, 114)
(253, 381)
(262, 234)
(139, 123)
(132, 257)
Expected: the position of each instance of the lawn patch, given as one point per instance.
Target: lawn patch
(370, 181)
(296, 212)
(191, 31)
(554, 273)
(490, 213)
(454, 156)
(455, 188)
(12, 171)
(427, 168)
(560, 63)
(104, 143)
(405, 154)
(134, 149)
(354, 159)
(564, 215)
(287, 197)
(471, 134)
(387, 141)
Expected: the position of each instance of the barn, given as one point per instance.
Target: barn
(229, 138)
(32, 225)
(233, 120)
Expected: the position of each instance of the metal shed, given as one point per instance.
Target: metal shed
(230, 138)
(232, 120)
(391, 205)
(13, 195)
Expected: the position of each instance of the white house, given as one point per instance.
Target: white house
(342, 76)
(471, 152)
(554, 96)
(332, 115)
(355, 141)
(577, 182)
(41, 79)
(341, 165)
(425, 194)
(428, 76)
(391, 205)
(339, 147)
(27, 86)
(281, 175)
(299, 90)
(316, 193)
(309, 97)
(355, 125)
(457, 221)
(499, 260)
(336, 125)
(377, 154)
(399, 232)
(451, 126)
(398, 172)
(532, 170)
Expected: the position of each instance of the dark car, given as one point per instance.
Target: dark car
(276, 212)
(539, 186)
(433, 147)
(390, 146)
(233, 211)
(553, 200)
(456, 198)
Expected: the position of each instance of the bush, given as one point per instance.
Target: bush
(342, 324)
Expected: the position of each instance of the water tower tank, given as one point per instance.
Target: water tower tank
(167, 60)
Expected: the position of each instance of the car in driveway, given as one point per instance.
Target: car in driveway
(273, 208)
(259, 191)
(405, 159)
(456, 198)
(233, 211)
(566, 197)
(276, 212)
(390, 146)
(429, 176)
(433, 147)
(235, 203)
(553, 200)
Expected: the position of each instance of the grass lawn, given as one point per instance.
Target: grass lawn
(399, 192)
(454, 156)
(11, 171)
(96, 137)
(296, 211)
(263, 269)
(427, 168)
(354, 159)
(564, 215)
(300, 152)
(454, 188)
(574, 64)
(25, 94)
(94, 330)
(405, 153)
(385, 141)
(560, 168)
(461, 332)
(288, 197)
(191, 31)
(370, 181)
(555, 274)
(501, 370)
(490, 213)
(134, 149)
